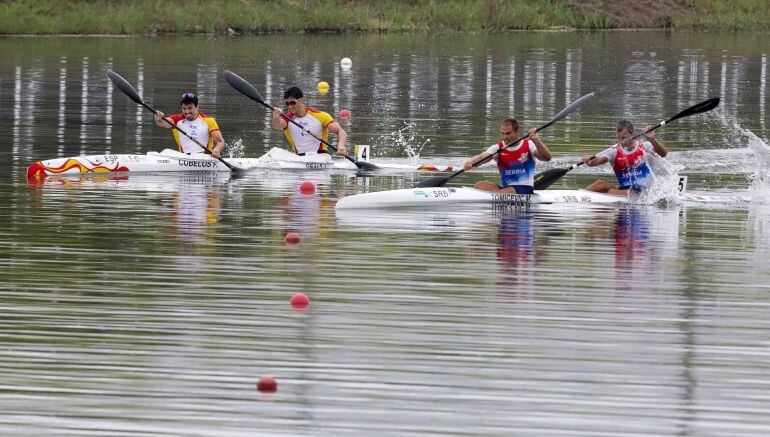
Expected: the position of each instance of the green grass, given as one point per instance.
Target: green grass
(259, 16)
(729, 15)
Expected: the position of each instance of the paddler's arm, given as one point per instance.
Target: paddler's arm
(277, 120)
(477, 160)
(159, 121)
(342, 136)
(219, 143)
(599, 160)
(659, 148)
(542, 153)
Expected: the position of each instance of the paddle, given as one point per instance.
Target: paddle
(548, 177)
(249, 91)
(131, 92)
(440, 181)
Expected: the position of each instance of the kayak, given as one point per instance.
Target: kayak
(173, 161)
(431, 197)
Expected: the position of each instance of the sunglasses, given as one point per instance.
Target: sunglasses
(290, 102)
(186, 95)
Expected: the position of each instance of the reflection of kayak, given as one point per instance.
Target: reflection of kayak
(430, 197)
(174, 161)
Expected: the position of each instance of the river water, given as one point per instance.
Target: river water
(147, 305)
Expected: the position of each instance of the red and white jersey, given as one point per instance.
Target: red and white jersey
(630, 166)
(516, 164)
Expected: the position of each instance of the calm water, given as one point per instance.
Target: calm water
(148, 305)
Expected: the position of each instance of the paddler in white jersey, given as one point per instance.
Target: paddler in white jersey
(200, 126)
(318, 122)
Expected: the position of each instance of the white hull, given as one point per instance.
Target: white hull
(174, 161)
(431, 197)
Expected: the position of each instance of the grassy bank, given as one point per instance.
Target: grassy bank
(259, 16)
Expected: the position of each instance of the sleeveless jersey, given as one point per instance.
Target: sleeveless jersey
(316, 122)
(516, 164)
(200, 129)
(631, 167)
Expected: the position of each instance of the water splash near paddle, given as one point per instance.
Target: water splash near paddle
(236, 149)
(759, 188)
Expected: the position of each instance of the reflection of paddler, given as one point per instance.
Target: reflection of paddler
(303, 213)
(196, 208)
(632, 232)
(515, 245)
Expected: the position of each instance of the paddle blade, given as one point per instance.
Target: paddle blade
(572, 107)
(435, 181)
(124, 86)
(366, 166)
(548, 177)
(243, 87)
(701, 107)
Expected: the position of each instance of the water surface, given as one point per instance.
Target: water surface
(152, 304)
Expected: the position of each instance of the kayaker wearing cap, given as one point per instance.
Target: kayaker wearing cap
(629, 160)
(198, 125)
(318, 122)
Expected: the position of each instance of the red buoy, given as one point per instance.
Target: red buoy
(267, 384)
(307, 187)
(291, 238)
(300, 302)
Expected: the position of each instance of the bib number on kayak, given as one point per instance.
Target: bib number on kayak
(362, 152)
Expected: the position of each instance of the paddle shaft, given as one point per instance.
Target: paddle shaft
(548, 177)
(440, 181)
(248, 90)
(131, 92)
(194, 140)
(289, 120)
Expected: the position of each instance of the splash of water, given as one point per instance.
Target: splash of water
(404, 139)
(665, 186)
(759, 189)
(235, 148)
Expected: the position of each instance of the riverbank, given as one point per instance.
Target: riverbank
(143, 17)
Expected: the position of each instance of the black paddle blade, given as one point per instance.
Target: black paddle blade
(704, 106)
(548, 177)
(366, 166)
(124, 86)
(243, 87)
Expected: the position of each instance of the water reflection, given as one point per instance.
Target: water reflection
(515, 249)
(644, 238)
(196, 207)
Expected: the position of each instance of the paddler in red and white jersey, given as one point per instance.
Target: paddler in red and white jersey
(629, 160)
(198, 125)
(318, 122)
(516, 162)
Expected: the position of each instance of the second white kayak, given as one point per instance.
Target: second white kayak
(429, 197)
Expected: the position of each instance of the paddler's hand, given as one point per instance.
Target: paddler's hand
(586, 158)
(469, 164)
(649, 134)
(217, 152)
(277, 112)
(533, 134)
(158, 116)
(341, 149)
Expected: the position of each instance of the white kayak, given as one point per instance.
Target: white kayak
(431, 197)
(173, 161)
